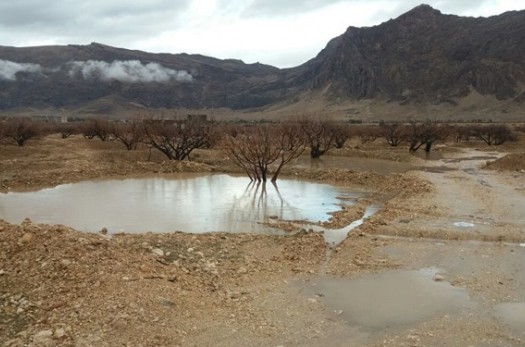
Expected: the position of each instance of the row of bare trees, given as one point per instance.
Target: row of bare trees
(418, 134)
(261, 150)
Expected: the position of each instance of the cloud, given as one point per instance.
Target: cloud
(9, 69)
(130, 71)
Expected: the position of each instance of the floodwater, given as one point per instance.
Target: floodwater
(333, 237)
(389, 300)
(513, 316)
(380, 166)
(190, 203)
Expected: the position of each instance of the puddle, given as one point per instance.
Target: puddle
(522, 244)
(477, 157)
(391, 299)
(434, 169)
(197, 203)
(464, 224)
(432, 155)
(513, 316)
(335, 236)
(380, 166)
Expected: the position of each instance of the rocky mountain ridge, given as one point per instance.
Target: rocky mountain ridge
(422, 57)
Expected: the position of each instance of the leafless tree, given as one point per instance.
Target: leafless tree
(424, 133)
(129, 134)
(462, 132)
(393, 132)
(65, 129)
(177, 139)
(21, 129)
(341, 134)
(367, 133)
(257, 149)
(494, 134)
(97, 127)
(319, 135)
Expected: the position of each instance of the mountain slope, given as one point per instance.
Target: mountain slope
(425, 56)
(422, 57)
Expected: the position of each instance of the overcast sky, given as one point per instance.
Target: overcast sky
(282, 33)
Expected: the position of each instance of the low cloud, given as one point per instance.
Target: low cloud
(9, 69)
(130, 71)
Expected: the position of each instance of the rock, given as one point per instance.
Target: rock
(211, 268)
(59, 333)
(233, 295)
(65, 262)
(2, 228)
(2, 272)
(14, 343)
(103, 231)
(158, 252)
(190, 250)
(313, 301)
(438, 278)
(26, 238)
(43, 338)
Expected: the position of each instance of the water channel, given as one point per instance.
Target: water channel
(186, 202)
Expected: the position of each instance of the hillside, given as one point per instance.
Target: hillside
(419, 61)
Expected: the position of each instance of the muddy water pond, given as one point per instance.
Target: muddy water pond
(391, 299)
(190, 203)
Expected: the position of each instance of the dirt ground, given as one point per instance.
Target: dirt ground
(453, 225)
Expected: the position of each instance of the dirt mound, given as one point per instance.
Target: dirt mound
(61, 287)
(510, 162)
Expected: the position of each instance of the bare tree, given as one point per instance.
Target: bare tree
(177, 139)
(494, 134)
(367, 133)
(393, 132)
(257, 148)
(66, 129)
(97, 127)
(341, 134)
(21, 129)
(424, 133)
(319, 135)
(129, 134)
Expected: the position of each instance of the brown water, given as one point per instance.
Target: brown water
(191, 203)
(380, 166)
(391, 299)
(513, 316)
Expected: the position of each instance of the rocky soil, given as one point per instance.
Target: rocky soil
(62, 287)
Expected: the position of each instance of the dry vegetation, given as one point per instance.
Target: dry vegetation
(60, 287)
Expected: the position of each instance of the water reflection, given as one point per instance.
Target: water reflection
(198, 203)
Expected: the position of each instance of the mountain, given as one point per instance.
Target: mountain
(425, 56)
(419, 59)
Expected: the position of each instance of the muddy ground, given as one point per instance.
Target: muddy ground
(450, 230)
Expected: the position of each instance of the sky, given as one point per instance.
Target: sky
(283, 33)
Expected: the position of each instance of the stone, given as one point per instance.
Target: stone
(158, 252)
(103, 231)
(438, 278)
(59, 333)
(43, 338)
(26, 238)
